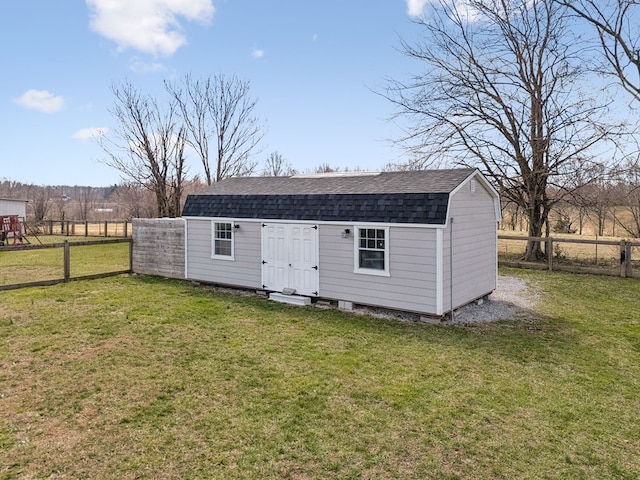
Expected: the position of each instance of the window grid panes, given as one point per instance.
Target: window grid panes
(222, 239)
(372, 245)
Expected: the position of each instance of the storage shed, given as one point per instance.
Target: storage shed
(11, 206)
(13, 213)
(420, 241)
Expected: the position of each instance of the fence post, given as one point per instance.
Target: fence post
(131, 255)
(126, 230)
(627, 265)
(67, 261)
(623, 258)
(50, 227)
(86, 228)
(105, 228)
(549, 248)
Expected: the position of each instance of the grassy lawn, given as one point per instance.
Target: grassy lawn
(21, 266)
(137, 377)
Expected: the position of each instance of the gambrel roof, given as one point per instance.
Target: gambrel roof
(389, 197)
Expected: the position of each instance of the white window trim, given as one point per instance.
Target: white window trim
(356, 252)
(213, 240)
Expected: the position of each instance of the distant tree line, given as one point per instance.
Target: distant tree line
(81, 203)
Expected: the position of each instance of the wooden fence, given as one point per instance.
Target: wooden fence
(72, 228)
(12, 271)
(610, 257)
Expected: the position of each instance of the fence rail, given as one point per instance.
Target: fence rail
(610, 257)
(71, 228)
(106, 262)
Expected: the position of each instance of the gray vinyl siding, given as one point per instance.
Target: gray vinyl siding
(474, 246)
(244, 271)
(13, 207)
(412, 267)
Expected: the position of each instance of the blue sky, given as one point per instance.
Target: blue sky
(312, 66)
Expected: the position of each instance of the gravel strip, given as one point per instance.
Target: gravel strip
(510, 300)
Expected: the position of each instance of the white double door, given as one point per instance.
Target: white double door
(290, 257)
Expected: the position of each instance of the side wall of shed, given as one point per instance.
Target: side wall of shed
(158, 246)
(474, 246)
(13, 207)
(244, 270)
(412, 267)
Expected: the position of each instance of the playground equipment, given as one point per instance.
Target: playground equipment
(10, 227)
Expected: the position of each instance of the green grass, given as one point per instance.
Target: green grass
(138, 377)
(22, 266)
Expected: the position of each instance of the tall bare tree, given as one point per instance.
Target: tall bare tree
(501, 91)
(617, 23)
(220, 117)
(147, 146)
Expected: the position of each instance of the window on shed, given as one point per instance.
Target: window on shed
(223, 239)
(372, 251)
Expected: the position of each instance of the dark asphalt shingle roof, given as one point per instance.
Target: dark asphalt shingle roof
(390, 197)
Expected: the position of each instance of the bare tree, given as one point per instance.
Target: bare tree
(86, 201)
(325, 168)
(41, 205)
(512, 216)
(219, 116)
(148, 146)
(628, 189)
(135, 200)
(277, 166)
(617, 23)
(10, 188)
(501, 90)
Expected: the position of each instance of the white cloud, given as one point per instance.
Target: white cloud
(257, 53)
(416, 7)
(40, 100)
(462, 8)
(140, 66)
(149, 26)
(89, 133)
